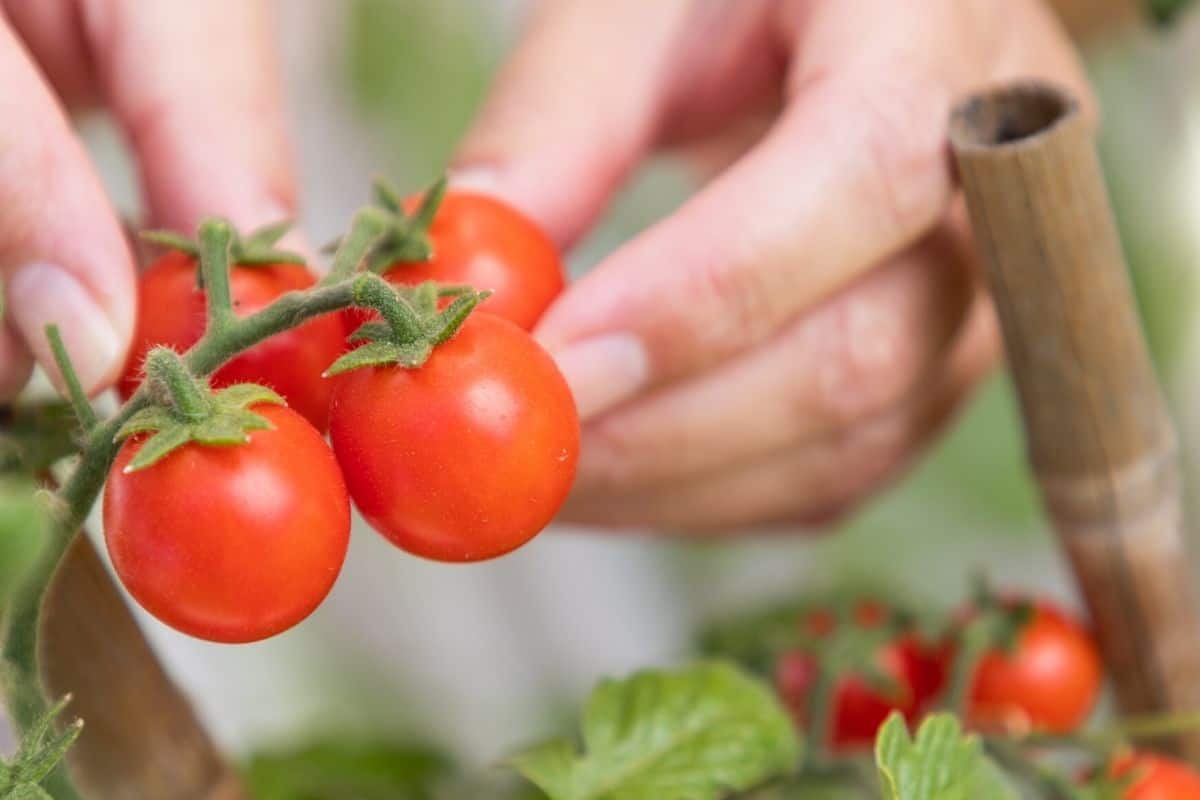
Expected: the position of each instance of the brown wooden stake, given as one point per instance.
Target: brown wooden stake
(141, 739)
(1097, 430)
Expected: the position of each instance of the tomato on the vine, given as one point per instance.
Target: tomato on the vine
(915, 668)
(1049, 681)
(234, 543)
(465, 457)
(1156, 777)
(480, 241)
(172, 312)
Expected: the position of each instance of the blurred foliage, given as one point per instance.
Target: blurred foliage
(1166, 11)
(418, 70)
(341, 770)
(34, 437)
(23, 528)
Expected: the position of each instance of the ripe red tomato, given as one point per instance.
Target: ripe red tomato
(466, 457)
(231, 544)
(858, 708)
(171, 312)
(1157, 778)
(1049, 682)
(483, 242)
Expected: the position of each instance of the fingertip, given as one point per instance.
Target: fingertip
(42, 294)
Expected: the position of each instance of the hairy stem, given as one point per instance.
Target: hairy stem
(71, 504)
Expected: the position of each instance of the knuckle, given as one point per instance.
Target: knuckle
(907, 176)
(749, 305)
(865, 366)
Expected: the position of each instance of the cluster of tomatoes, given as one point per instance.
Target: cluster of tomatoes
(1045, 677)
(463, 458)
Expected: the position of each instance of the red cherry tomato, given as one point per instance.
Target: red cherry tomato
(858, 708)
(1049, 682)
(466, 457)
(171, 312)
(483, 242)
(1157, 778)
(231, 544)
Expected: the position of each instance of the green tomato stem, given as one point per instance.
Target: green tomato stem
(70, 505)
(216, 241)
(79, 400)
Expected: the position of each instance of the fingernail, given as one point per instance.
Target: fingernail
(41, 294)
(604, 371)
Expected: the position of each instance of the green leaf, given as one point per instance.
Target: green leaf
(692, 734)
(40, 752)
(941, 763)
(347, 771)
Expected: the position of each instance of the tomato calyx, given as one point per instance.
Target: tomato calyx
(187, 410)
(257, 248)
(407, 238)
(412, 325)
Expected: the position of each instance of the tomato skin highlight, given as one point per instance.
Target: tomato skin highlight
(466, 457)
(485, 243)
(1157, 778)
(172, 313)
(231, 544)
(1050, 682)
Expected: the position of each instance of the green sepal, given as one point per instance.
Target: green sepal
(369, 332)
(253, 249)
(40, 752)
(407, 239)
(381, 354)
(417, 328)
(228, 422)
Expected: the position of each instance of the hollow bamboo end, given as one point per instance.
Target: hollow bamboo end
(1014, 116)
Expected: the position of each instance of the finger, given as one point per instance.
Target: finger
(814, 484)
(196, 88)
(855, 171)
(573, 110)
(858, 354)
(827, 193)
(62, 255)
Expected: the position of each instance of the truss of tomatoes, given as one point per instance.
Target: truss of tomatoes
(1040, 671)
(461, 458)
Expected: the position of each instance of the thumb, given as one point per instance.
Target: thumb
(573, 110)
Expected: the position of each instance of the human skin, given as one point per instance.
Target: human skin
(194, 88)
(785, 342)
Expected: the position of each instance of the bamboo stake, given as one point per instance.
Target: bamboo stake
(141, 739)
(1097, 430)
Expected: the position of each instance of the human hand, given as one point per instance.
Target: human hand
(785, 342)
(194, 86)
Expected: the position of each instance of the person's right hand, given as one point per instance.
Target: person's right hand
(783, 344)
(193, 85)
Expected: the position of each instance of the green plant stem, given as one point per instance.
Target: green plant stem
(216, 242)
(188, 394)
(79, 401)
(71, 504)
